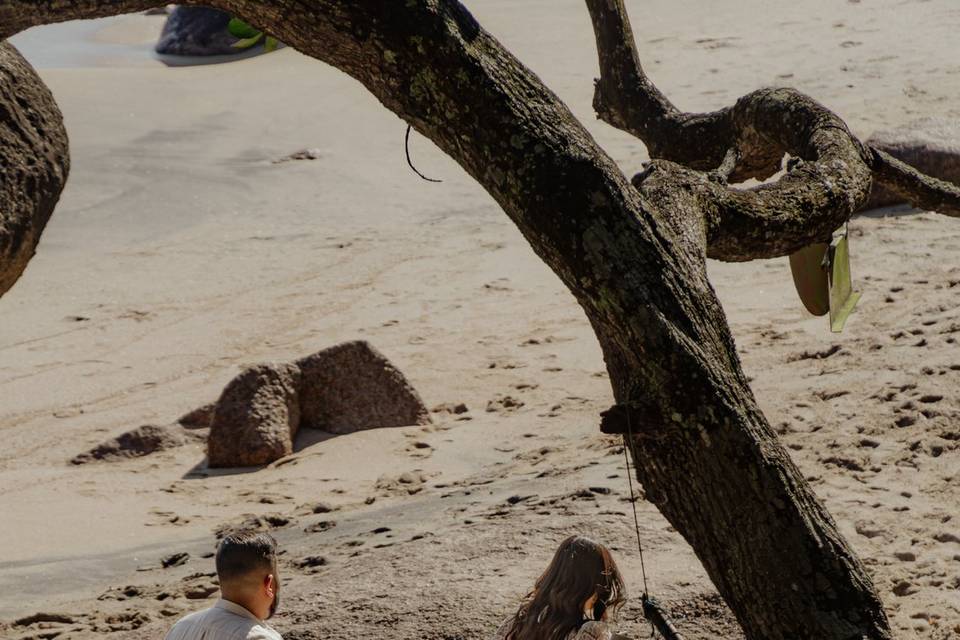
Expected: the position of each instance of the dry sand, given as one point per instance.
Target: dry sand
(180, 252)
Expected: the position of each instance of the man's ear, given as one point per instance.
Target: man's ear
(270, 584)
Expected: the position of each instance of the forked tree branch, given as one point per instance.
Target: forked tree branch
(626, 98)
(817, 195)
(812, 199)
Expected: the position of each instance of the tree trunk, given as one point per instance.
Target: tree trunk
(34, 162)
(634, 257)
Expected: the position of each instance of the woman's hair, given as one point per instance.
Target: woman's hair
(580, 569)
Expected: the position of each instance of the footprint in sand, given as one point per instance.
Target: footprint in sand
(904, 588)
(458, 410)
(905, 556)
(455, 408)
(49, 625)
(815, 355)
(409, 483)
(568, 403)
(535, 456)
(533, 341)
(316, 508)
(870, 529)
(320, 527)
(505, 364)
(420, 449)
(500, 284)
(504, 404)
(310, 564)
(174, 560)
(263, 522)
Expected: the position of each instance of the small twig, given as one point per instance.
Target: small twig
(406, 146)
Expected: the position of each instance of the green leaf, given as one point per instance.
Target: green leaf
(248, 42)
(270, 44)
(240, 29)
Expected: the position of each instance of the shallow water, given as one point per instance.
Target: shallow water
(120, 41)
(73, 44)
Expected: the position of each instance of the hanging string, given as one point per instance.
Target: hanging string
(633, 500)
(652, 610)
(406, 147)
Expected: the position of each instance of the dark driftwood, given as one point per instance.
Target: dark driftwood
(634, 257)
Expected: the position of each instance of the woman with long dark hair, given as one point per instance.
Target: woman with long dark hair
(576, 598)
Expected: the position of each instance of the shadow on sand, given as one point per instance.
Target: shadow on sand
(306, 438)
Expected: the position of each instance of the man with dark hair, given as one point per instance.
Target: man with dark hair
(249, 593)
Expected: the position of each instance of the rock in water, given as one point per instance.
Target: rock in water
(256, 418)
(196, 31)
(931, 145)
(139, 442)
(352, 386)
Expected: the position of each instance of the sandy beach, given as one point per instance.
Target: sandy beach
(182, 251)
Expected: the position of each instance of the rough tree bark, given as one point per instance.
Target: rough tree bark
(34, 161)
(634, 258)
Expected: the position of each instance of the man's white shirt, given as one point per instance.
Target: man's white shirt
(224, 621)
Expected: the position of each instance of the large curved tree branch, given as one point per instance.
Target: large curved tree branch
(635, 263)
(806, 205)
(625, 98)
(34, 162)
(819, 193)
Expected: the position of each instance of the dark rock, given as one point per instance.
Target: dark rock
(343, 389)
(139, 442)
(196, 31)
(256, 417)
(36, 161)
(352, 386)
(931, 145)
